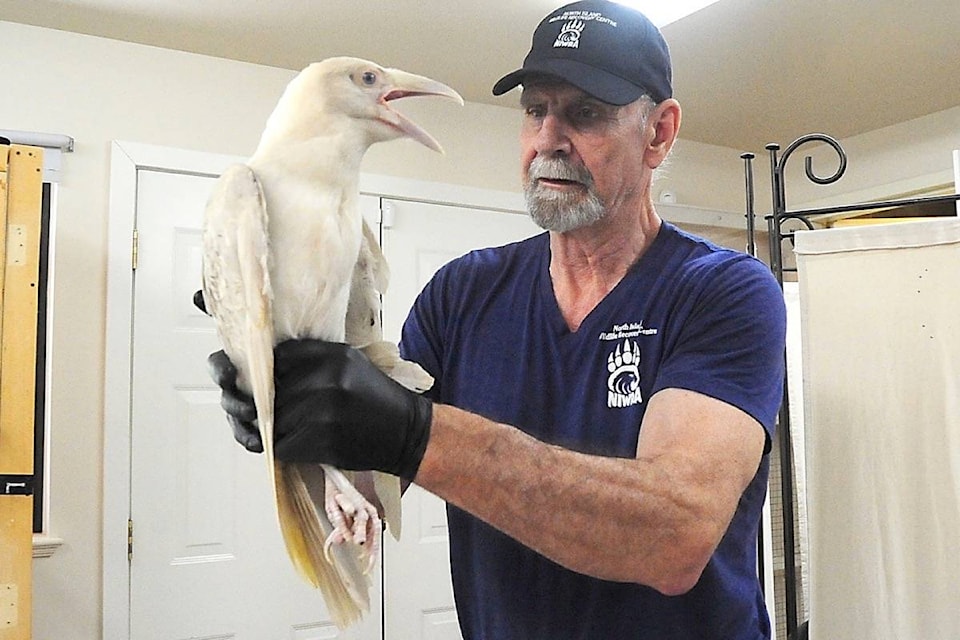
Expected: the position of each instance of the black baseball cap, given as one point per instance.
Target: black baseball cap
(610, 51)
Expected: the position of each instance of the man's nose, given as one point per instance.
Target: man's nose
(552, 137)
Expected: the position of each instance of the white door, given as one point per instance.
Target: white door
(208, 559)
(418, 239)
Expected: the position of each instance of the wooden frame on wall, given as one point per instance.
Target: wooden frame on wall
(21, 195)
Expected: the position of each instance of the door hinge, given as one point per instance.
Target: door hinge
(388, 215)
(135, 252)
(129, 540)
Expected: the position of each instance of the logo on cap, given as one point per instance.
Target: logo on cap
(570, 34)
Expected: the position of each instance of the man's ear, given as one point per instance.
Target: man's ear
(665, 120)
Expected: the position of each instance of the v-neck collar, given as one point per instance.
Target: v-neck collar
(556, 322)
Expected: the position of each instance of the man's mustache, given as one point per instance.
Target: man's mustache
(558, 169)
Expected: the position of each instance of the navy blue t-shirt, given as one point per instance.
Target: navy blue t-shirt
(688, 315)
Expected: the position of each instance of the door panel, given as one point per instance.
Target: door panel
(419, 238)
(208, 557)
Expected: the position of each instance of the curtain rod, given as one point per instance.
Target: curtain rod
(45, 140)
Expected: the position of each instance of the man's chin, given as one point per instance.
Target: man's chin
(559, 199)
(563, 219)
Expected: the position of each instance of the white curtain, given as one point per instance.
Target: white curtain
(880, 309)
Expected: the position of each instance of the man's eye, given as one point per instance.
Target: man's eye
(534, 112)
(586, 114)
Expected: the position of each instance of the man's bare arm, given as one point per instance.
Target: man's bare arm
(655, 519)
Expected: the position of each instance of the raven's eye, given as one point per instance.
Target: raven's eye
(369, 78)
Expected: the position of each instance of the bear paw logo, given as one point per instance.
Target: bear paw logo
(623, 383)
(570, 35)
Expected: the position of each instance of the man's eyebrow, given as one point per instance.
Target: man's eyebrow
(530, 97)
(587, 99)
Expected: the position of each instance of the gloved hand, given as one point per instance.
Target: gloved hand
(241, 411)
(334, 406)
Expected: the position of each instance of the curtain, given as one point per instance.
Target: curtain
(880, 317)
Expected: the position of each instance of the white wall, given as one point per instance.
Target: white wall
(99, 90)
(703, 175)
(900, 159)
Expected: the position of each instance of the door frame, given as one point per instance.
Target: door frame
(127, 159)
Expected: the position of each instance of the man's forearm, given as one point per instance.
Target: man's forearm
(618, 519)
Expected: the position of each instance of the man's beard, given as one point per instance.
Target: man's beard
(561, 211)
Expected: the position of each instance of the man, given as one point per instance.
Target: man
(605, 392)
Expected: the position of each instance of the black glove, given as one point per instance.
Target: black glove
(334, 406)
(241, 411)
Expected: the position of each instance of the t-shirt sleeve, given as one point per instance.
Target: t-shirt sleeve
(421, 339)
(731, 346)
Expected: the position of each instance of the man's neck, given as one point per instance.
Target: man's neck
(586, 264)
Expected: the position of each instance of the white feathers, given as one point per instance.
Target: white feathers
(287, 255)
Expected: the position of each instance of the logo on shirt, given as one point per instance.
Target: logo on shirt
(623, 383)
(623, 364)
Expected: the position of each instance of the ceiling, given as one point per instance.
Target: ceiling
(747, 72)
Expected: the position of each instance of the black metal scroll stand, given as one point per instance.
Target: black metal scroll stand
(776, 220)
